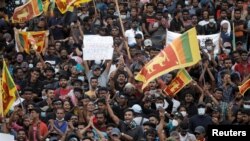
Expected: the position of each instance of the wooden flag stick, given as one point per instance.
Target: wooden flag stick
(122, 27)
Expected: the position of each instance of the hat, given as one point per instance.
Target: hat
(94, 67)
(148, 42)
(137, 108)
(115, 131)
(199, 129)
(201, 104)
(138, 36)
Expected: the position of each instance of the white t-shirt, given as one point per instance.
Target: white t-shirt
(130, 34)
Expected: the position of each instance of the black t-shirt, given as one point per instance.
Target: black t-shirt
(134, 131)
(148, 19)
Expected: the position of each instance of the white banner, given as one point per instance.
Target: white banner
(202, 38)
(97, 41)
(6, 137)
(98, 53)
(98, 47)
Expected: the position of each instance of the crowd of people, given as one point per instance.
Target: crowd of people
(66, 98)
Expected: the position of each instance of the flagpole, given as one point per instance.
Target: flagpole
(234, 45)
(1, 99)
(123, 33)
(18, 95)
(1, 94)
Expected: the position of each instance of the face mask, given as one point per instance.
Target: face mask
(44, 97)
(201, 111)
(59, 119)
(184, 113)
(30, 65)
(175, 122)
(186, 2)
(209, 48)
(227, 51)
(158, 105)
(123, 17)
(246, 106)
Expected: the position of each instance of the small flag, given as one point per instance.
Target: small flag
(32, 40)
(8, 89)
(182, 79)
(244, 87)
(182, 52)
(28, 11)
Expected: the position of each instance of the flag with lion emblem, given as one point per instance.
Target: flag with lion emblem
(182, 52)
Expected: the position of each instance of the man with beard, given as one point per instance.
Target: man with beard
(93, 86)
(21, 136)
(100, 121)
(49, 80)
(243, 67)
(240, 26)
(63, 90)
(52, 55)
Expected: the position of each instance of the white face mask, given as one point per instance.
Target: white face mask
(209, 48)
(201, 111)
(186, 2)
(123, 17)
(246, 106)
(175, 122)
(184, 113)
(44, 97)
(227, 51)
(158, 105)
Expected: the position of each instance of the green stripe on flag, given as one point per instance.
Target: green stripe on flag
(40, 5)
(186, 47)
(9, 80)
(21, 39)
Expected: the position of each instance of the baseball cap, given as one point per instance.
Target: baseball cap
(94, 67)
(199, 129)
(138, 36)
(115, 131)
(148, 42)
(137, 108)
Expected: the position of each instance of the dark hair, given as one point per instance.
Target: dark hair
(129, 110)
(218, 89)
(111, 125)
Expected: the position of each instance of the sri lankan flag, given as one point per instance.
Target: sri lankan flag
(31, 40)
(65, 5)
(28, 11)
(182, 79)
(77, 3)
(8, 87)
(244, 87)
(182, 52)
